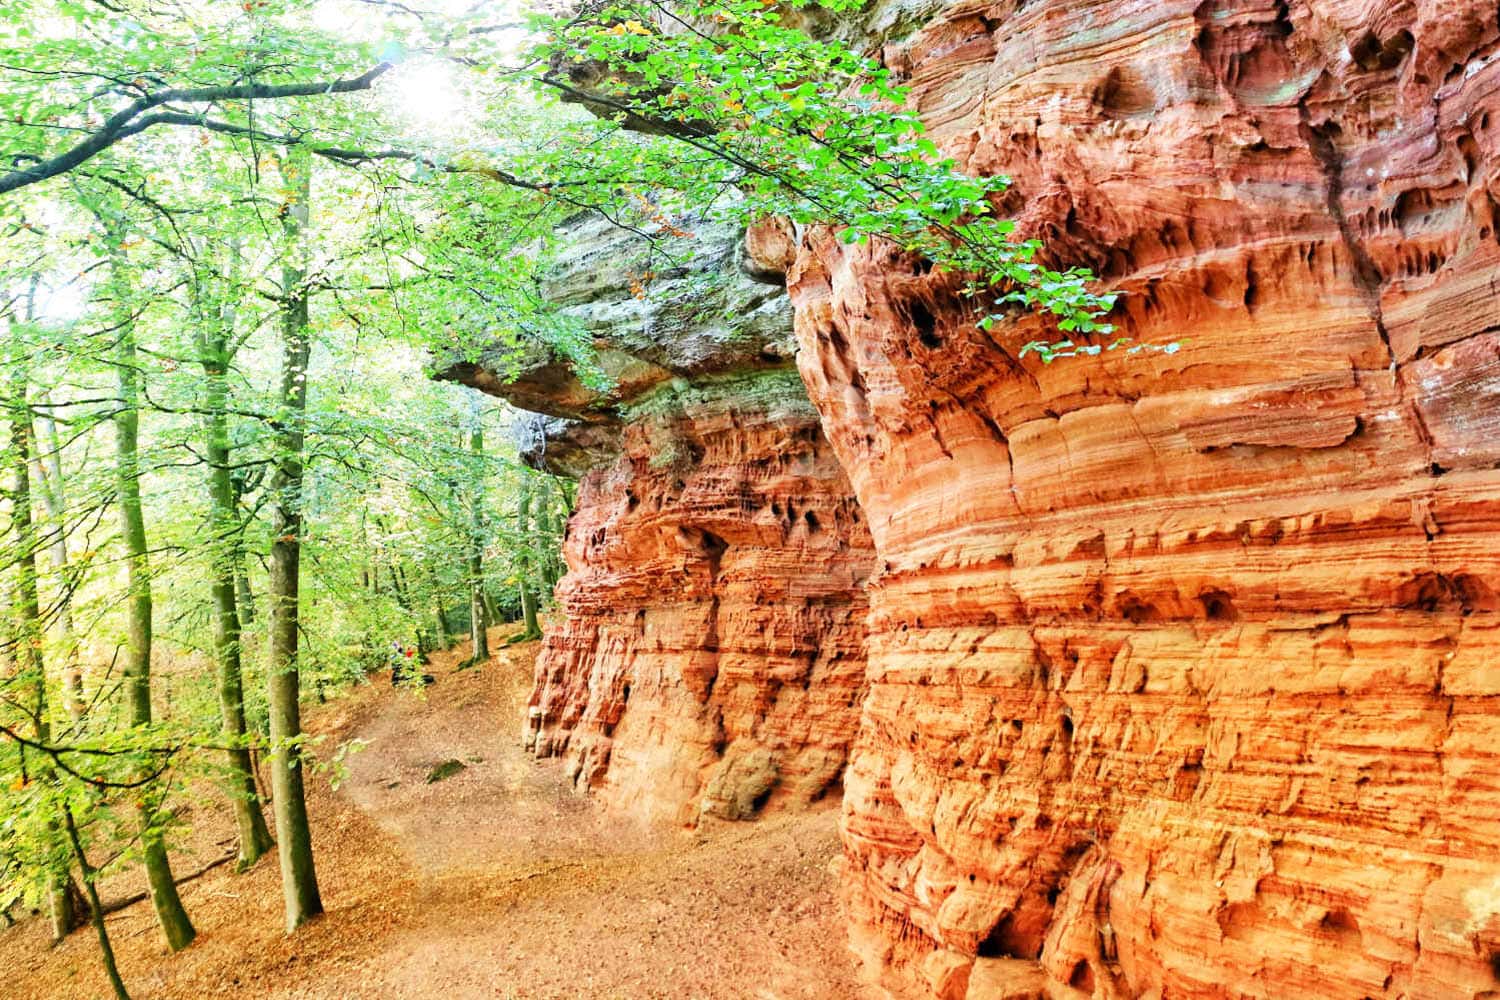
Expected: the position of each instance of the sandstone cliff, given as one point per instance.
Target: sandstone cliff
(708, 652)
(1182, 668)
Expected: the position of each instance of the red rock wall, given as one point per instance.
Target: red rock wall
(1183, 668)
(709, 651)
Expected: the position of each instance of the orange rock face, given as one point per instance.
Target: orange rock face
(1183, 667)
(710, 653)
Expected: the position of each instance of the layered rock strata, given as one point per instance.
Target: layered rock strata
(707, 656)
(709, 653)
(1183, 666)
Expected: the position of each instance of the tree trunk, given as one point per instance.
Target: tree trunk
(62, 896)
(439, 613)
(403, 598)
(478, 613)
(299, 882)
(48, 459)
(551, 537)
(244, 599)
(175, 925)
(96, 911)
(528, 540)
(214, 354)
(399, 589)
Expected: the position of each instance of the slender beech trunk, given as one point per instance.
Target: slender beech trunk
(397, 575)
(439, 613)
(175, 925)
(214, 353)
(299, 881)
(96, 910)
(478, 616)
(528, 563)
(551, 534)
(63, 898)
(53, 488)
(244, 598)
(403, 600)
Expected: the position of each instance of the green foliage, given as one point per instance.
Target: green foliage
(715, 105)
(731, 98)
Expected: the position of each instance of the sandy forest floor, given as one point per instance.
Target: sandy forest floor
(499, 882)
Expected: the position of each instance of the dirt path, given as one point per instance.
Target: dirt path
(498, 882)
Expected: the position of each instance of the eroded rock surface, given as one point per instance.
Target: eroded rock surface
(709, 656)
(1182, 667)
(708, 652)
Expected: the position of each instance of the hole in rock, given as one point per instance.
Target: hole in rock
(1475, 593)
(1137, 611)
(925, 324)
(1252, 288)
(1342, 927)
(834, 790)
(1217, 606)
(759, 802)
(1495, 964)
(1017, 936)
(1424, 592)
(813, 524)
(1236, 919)
(1370, 53)
(1124, 93)
(1394, 52)
(1413, 209)
(1470, 151)
(1185, 781)
(1366, 50)
(1082, 977)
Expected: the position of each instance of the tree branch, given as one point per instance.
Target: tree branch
(133, 119)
